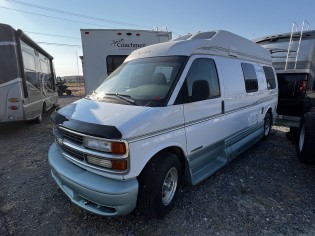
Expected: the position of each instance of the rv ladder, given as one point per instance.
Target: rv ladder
(295, 29)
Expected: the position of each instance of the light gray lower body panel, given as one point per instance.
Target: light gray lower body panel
(97, 194)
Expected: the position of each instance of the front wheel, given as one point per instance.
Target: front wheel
(305, 147)
(158, 185)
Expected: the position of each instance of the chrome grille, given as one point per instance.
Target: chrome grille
(71, 145)
(74, 153)
(71, 136)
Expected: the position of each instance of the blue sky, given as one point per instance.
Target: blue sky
(248, 18)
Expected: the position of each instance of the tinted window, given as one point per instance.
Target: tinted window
(250, 77)
(270, 77)
(113, 62)
(202, 69)
(8, 63)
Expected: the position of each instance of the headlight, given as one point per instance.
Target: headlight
(118, 148)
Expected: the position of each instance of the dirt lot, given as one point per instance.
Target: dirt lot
(266, 191)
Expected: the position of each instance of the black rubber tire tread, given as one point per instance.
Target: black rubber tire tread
(270, 124)
(150, 185)
(39, 118)
(307, 154)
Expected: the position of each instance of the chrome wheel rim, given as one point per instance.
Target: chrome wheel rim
(302, 136)
(169, 186)
(267, 126)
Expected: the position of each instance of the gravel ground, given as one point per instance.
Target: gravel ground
(265, 191)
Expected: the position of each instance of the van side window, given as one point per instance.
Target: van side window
(270, 77)
(250, 77)
(203, 72)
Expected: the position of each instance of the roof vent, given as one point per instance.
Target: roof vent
(204, 35)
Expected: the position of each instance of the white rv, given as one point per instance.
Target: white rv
(105, 49)
(173, 111)
(27, 77)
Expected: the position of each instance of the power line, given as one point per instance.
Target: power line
(54, 35)
(59, 18)
(78, 15)
(60, 44)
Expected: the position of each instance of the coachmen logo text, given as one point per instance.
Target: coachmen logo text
(120, 43)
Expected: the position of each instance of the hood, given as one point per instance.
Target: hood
(96, 118)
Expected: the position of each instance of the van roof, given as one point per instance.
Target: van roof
(218, 42)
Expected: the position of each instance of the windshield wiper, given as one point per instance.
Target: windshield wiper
(123, 97)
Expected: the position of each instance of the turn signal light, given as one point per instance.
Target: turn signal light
(118, 148)
(13, 100)
(119, 165)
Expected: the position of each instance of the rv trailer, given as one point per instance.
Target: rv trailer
(105, 49)
(27, 77)
(293, 57)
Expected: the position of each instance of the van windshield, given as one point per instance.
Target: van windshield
(145, 81)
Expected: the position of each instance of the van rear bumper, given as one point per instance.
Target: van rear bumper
(95, 193)
(288, 121)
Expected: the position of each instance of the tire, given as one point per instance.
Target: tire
(68, 92)
(292, 135)
(39, 118)
(305, 147)
(158, 185)
(59, 92)
(267, 125)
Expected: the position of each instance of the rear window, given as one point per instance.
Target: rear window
(250, 77)
(270, 77)
(113, 62)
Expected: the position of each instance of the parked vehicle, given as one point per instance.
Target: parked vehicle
(62, 87)
(27, 77)
(106, 49)
(173, 111)
(293, 57)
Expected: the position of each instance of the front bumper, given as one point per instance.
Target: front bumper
(97, 194)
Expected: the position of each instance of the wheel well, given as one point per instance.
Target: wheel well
(175, 150)
(270, 112)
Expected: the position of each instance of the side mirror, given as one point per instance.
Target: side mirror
(200, 90)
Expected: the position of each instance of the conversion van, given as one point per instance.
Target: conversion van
(174, 111)
(27, 77)
(106, 49)
(293, 57)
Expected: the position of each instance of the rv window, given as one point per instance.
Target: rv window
(202, 69)
(29, 61)
(113, 62)
(30, 69)
(250, 77)
(8, 64)
(270, 77)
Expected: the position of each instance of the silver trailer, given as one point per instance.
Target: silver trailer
(27, 77)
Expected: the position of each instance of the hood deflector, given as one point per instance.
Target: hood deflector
(101, 131)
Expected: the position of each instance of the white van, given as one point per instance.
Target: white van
(173, 111)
